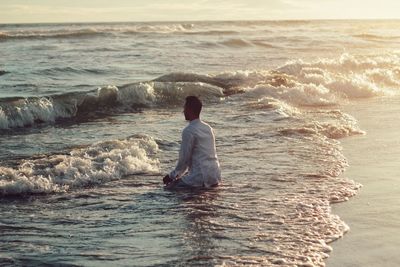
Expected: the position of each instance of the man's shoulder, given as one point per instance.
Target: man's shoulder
(205, 124)
(188, 129)
(196, 126)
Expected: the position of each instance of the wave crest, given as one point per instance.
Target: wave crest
(21, 112)
(323, 83)
(24, 112)
(87, 31)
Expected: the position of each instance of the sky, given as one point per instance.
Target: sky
(36, 11)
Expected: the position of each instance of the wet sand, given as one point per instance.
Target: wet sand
(374, 214)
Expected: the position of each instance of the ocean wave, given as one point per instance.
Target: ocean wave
(212, 32)
(349, 76)
(323, 83)
(72, 70)
(40, 34)
(255, 23)
(236, 43)
(288, 22)
(230, 82)
(330, 130)
(83, 167)
(326, 82)
(2, 72)
(154, 28)
(216, 80)
(263, 44)
(87, 31)
(305, 95)
(241, 43)
(375, 37)
(333, 124)
(166, 93)
(21, 112)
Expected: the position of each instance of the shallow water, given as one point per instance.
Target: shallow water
(373, 215)
(90, 120)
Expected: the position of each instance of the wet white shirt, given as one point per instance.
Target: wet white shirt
(198, 164)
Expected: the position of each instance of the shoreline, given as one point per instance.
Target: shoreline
(373, 215)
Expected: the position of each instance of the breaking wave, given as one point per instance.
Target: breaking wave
(21, 112)
(323, 83)
(87, 31)
(83, 167)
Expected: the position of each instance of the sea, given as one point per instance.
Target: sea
(91, 120)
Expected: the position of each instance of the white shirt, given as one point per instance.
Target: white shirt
(198, 156)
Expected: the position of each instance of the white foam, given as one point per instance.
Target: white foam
(93, 165)
(282, 108)
(24, 112)
(137, 94)
(330, 123)
(163, 28)
(27, 112)
(349, 76)
(180, 90)
(300, 94)
(164, 93)
(3, 120)
(331, 130)
(243, 78)
(324, 82)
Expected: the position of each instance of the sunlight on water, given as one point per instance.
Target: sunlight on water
(91, 116)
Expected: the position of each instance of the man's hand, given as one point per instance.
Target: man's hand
(167, 179)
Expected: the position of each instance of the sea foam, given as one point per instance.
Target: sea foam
(322, 83)
(23, 112)
(93, 165)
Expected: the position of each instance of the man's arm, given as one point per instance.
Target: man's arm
(185, 155)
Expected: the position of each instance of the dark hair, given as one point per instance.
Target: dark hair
(194, 103)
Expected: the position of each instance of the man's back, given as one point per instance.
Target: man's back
(199, 152)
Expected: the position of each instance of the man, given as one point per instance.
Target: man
(198, 164)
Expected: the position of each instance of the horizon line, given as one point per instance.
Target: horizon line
(206, 20)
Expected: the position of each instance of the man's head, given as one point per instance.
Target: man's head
(192, 108)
